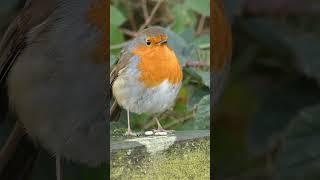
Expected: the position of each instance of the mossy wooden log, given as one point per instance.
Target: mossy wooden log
(182, 155)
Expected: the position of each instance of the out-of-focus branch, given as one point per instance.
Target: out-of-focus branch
(179, 121)
(280, 7)
(131, 17)
(145, 9)
(151, 122)
(118, 46)
(128, 32)
(201, 24)
(154, 10)
(196, 64)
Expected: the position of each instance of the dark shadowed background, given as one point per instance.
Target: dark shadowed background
(268, 120)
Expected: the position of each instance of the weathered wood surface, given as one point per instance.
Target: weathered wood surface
(182, 155)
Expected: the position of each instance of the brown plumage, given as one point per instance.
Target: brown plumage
(122, 62)
(222, 41)
(222, 50)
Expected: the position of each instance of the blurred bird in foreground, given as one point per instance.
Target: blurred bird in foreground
(146, 78)
(222, 50)
(53, 84)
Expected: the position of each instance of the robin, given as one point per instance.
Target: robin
(53, 60)
(147, 76)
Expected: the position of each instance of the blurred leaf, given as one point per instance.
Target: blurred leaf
(181, 101)
(138, 120)
(121, 123)
(116, 17)
(276, 111)
(113, 59)
(300, 158)
(303, 45)
(307, 50)
(193, 74)
(205, 77)
(202, 115)
(198, 76)
(196, 93)
(116, 37)
(263, 32)
(201, 7)
(201, 119)
(233, 8)
(188, 34)
(202, 40)
(183, 18)
(179, 45)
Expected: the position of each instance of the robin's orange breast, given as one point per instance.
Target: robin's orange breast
(157, 64)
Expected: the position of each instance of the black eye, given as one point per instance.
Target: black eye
(148, 42)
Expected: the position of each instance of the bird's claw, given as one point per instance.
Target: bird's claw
(131, 134)
(162, 132)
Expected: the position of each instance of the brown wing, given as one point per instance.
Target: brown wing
(221, 38)
(14, 39)
(121, 64)
(13, 42)
(19, 152)
(222, 50)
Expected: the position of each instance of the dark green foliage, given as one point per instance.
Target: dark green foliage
(267, 123)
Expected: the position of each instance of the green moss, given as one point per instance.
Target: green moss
(185, 160)
(119, 132)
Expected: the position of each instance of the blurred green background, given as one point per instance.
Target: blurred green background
(267, 124)
(188, 27)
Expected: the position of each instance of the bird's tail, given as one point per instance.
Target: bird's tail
(17, 156)
(115, 111)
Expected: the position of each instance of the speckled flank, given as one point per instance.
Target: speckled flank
(98, 17)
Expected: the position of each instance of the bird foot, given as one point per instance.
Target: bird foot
(162, 132)
(131, 134)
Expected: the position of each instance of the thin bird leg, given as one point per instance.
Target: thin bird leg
(129, 132)
(160, 128)
(58, 167)
(128, 117)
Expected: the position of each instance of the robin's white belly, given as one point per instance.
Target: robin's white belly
(133, 96)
